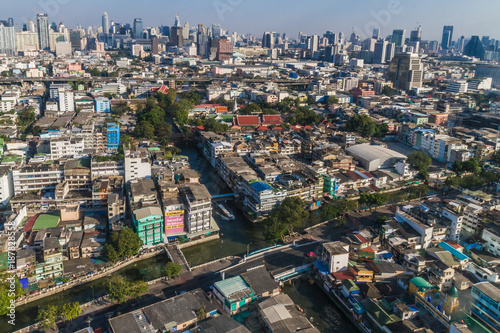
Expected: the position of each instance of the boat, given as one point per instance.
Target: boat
(225, 211)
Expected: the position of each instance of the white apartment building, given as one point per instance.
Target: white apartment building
(492, 238)
(458, 87)
(217, 148)
(6, 185)
(66, 147)
(137, 165)
(198, 202)
(34, 177)
(66, 100)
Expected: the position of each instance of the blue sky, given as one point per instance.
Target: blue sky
(479, 17)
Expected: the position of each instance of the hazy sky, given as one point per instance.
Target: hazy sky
(478, 17)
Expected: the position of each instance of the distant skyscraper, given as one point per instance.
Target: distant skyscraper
(216, 30)
(398, 37)
(376, 33)
(105, 23)
(380, 51)
(177, 21)
(7, 38)
(268, 40)
(433, 46)
(138, 28)
(185, 31)
(313, 43)
(416, 35)
(42, 24)
(30, 26)
(176, 36)
(447, 37)
(461, 44)
(11, 21)
(474, 48)
(406, 71)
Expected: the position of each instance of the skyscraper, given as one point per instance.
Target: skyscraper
(313, 43)
(399, 37)
(138, 28)
(461, 44)
(379, 53)
(447, 37)
(11, 21)
(268, 40)
(7, 38)
(176, 36)
(474, 48)
(177, 21)
(216, 31)
(105, 23)
(376, 33)
(42, 24)
(416, 35)
(406, 71)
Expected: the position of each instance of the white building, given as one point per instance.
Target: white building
(480, 83)
(492, 238)
(198, 201)
(137, 165)
(66, 147)
(6, 185)
(35, 177)
(458, 87)
(335, 256)
(66, 100)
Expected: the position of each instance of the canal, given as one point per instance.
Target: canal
(237, 237)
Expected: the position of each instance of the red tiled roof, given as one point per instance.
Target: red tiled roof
(307, 127)
(345, 275)
(30, 223)
(200, 128)
(247, 121)
(353, 175)
(454, 244)
(262, 128)
(277, 128)
(368, 249)
(163, 89)
(271, 119)
(375, 188)
(361, 238)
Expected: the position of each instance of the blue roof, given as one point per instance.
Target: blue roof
(321, 267)
(23, 282)
(457, 254)
(260, 186)
(387, 255)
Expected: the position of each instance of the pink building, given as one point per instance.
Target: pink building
(174, 215)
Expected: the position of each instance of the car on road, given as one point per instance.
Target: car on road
(310, 254)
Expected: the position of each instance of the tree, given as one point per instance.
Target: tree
(419, 161)
(47, 316)
(362, 124)
(332, 100)
(26, 117)
(250, 109)
(163, 130)
(213, 125)
(137, 288)
(123, 243)
(311, 100)
(145, 130)
(201, 314)
(387, 90)
(6, 295)
(119, 288)
(284, 218)
(181, 111)
(337, 208)
(71, 310)
(171, 269)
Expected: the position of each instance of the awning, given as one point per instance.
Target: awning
(321, 268)
(23, 282)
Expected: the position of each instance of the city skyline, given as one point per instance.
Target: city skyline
(240, 16)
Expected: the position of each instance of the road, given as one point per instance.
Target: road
(277, 261)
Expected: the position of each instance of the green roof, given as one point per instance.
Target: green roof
(234, 288)
(11, 158)
(421, 283)
(49, 220)
(350, 285)
(453, 292)
(4, 261)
